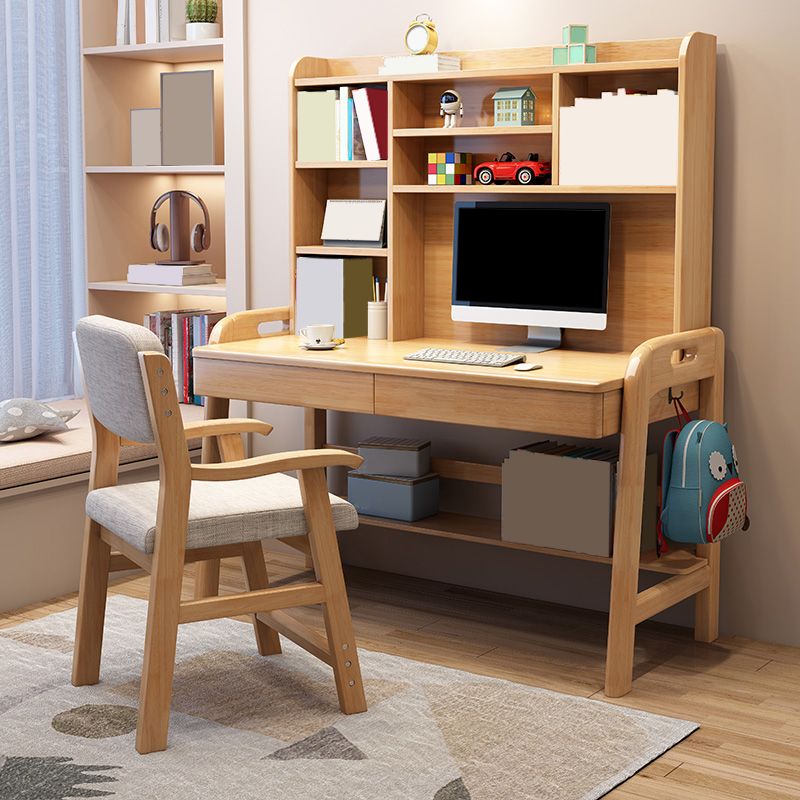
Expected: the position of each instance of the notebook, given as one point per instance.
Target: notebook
(354, 223)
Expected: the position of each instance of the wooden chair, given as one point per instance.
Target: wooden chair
(198, 512)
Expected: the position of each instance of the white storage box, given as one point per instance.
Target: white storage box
(620, 140)
(568, 503)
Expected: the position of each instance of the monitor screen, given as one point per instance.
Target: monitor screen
(537, 256)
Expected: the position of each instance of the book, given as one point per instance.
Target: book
(163, 20)
(372, 106)
(345, 127)
(430, 62)
(178, 351)
(171, 274)
(359, 154)
(177, 20)
(316, 126)
(132, 32)
(151, 21)
(354, 223)
(123, 34)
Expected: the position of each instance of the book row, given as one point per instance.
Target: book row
(342, 124)
(179, 332)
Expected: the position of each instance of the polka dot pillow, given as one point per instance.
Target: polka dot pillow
(21, 418)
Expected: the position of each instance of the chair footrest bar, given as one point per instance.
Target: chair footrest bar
(231, 605)
(669, 592)
(298, 633)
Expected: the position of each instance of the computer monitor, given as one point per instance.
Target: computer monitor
(544, 265)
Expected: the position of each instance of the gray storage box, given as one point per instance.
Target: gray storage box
(385, 455)
(407, 499)
(568, 503)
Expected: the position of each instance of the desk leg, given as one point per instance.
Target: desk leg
(206, 573)
(315, 435)
(627, 545)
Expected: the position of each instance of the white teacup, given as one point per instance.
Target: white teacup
(318, 334)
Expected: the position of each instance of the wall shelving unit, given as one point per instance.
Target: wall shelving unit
(119, 196)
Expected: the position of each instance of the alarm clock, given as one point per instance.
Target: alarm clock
(421, 36)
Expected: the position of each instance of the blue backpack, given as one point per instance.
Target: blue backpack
(703, 498)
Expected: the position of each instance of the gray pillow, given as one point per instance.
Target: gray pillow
(21, 418)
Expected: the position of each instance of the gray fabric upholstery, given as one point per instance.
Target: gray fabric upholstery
(109, 350)
(220, 512)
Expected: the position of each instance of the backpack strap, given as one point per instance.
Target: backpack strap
(667, 454)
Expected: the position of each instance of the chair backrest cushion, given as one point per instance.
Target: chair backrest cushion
(109, 351)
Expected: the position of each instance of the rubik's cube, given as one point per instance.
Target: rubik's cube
(449, 169)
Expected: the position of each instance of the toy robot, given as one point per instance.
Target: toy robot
(451, 107)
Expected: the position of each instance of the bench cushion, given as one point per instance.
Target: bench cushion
(220, 512)
(59, 455)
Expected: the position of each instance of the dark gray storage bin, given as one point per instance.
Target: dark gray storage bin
(387, 455)
(407, 499)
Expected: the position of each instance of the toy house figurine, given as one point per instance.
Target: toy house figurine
(514, 106)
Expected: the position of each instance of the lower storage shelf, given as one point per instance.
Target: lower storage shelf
(487, 531)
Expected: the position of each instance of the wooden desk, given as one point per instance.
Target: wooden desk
(582, 394)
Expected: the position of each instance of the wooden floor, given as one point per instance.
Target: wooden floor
(745, 694)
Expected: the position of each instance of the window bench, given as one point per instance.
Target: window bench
(43, 484)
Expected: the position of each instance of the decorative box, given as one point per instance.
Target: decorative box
(582, 54)
(406, 499)
(449, 169)
(575, 34)
(386, 455)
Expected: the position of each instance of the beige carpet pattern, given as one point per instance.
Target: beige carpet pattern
(251, 728)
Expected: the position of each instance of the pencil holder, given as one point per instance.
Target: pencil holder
(377, 319)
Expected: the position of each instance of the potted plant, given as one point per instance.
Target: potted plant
(201, 19)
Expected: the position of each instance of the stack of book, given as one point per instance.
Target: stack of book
(171, 274)
(412, 65)
(179, 332)
(342, 124)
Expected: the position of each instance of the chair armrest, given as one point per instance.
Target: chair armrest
(244, 324)
(276, 462)
(223, 427)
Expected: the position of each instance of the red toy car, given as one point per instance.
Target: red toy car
(507, 168)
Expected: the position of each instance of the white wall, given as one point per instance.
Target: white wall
(756, 271)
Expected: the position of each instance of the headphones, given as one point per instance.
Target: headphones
(159, 233)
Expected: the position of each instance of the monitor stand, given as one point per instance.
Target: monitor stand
(540, 338)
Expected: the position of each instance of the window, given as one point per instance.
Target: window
(42, 283)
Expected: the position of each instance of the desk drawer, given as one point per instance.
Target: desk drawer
(296, 386)
(515, 408)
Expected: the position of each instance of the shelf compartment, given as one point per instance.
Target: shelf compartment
(476, 130)
(205, 290)
(341, 164)
(202, 169)
(541, 70)
(322, 250)
(163, 52)
(485, 531)
(535, 189)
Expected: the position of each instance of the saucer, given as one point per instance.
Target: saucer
(326, 346)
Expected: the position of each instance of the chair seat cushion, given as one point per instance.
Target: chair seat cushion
(220, 512)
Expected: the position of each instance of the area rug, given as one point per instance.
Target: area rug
(245, 727)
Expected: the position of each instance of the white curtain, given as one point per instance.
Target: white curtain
(42, 275)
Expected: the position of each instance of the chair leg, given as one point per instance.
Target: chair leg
(328, 568)
(206, 579)
(255, 575)
(158, 667)
(91, 607)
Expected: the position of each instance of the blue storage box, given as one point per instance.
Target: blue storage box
(406, 499)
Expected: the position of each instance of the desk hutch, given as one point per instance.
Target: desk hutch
(599, 384)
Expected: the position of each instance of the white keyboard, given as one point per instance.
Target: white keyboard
(471, 358)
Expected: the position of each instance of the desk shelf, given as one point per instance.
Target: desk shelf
(535, 189)
(481, 530)
(475, 130)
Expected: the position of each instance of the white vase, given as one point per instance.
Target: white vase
(202, 30)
